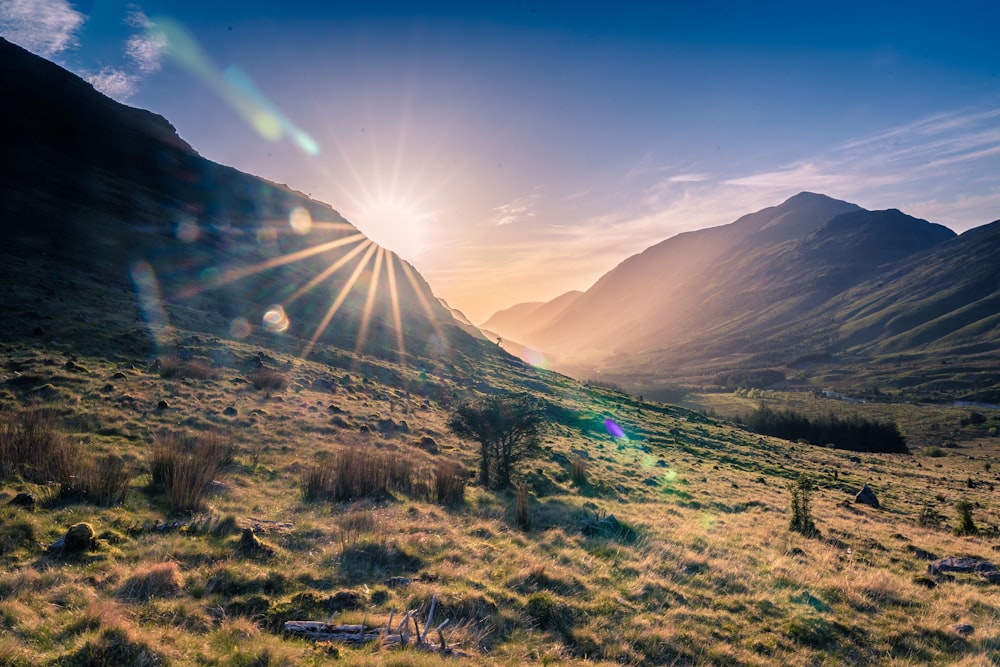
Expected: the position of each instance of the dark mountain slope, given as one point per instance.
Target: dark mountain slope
(112, 191)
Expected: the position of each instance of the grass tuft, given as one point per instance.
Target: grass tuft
(449, 483)
(355, 473)
(185, 467)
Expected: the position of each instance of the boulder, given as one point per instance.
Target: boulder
(78, 538)
(867, 497)
(961, 564)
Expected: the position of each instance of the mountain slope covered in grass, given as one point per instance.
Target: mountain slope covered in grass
(180, 477)
(812, 279)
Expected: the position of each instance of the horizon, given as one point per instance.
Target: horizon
(474, 145)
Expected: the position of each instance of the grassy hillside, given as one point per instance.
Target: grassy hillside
(700, 568)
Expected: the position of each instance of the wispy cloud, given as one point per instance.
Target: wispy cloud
(143, 52)
(518, 210)
(939, 158)
(114, 82)
(145, 48)
(44, 27)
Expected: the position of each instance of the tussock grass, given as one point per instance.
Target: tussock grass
(449, 483)
(158, 580)
(185, 467)
(33, 447)
(191, 369)
(268, 381)
(357, 472)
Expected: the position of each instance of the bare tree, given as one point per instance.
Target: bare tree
(507, 428)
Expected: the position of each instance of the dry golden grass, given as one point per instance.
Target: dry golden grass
(707, 573)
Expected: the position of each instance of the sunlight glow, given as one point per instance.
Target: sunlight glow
(393, 225)
(370, 301)
(335, 306)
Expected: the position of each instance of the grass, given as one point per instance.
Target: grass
(708, 572)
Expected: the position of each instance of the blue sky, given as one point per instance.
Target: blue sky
(516, 150)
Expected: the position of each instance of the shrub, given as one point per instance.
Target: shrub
(932, 451)
(185, 467)
(357, 472)
(802, 521)
(929, 517)
(578, 470)
(522, 508)
(449, 483)
(966, 526)
(268, 381)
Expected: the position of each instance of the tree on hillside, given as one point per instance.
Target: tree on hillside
(507, 428)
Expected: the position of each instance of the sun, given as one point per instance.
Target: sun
(394, 225)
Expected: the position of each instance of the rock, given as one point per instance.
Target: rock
(25, 500)
(428, 444)
(251, 545)
(397, 582)
(926, 582)
(118, 376)
(334, 409)
(321, 384)
(78, 538)
(991, 577)
(867, 497)
(162, 405)
(582, 453)
(75, 367)
(920, 554)
(155, 366)
(961, 564)
(107, 388)
(854, 459)
(963, 629)
(230, 411)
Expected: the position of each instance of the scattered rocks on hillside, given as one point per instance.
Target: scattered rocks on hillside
(867, 497)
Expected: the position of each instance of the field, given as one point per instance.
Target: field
(697, 567)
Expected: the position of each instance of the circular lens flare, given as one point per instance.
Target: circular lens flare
(276, 320)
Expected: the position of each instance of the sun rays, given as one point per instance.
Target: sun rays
(371, 271)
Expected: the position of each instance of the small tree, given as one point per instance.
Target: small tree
(966, 526)
(507, 428)
(802, 521)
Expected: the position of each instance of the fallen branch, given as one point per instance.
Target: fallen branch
(321, 631)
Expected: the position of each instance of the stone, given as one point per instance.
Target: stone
(78, 538)
(867, 497)
(25, 500)
(963, 629)
(162, 405)
(961, 564)
(230, 411)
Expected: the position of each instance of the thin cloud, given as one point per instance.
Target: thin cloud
(689, 178)
(114, 83)
(44, 27)
(518, 210)
(144, 49)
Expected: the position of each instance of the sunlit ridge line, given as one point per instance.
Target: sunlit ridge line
(328, 271)
(238, 274)
(423, 301)
(335, 306)
(396, 318)
(366, 314)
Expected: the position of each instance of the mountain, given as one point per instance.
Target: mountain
(114, 192)
(813, 278)
(517, 322)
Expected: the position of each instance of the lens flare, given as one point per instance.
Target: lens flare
(147, 290)
(300, 221)
(614, 429)
(276, 320)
